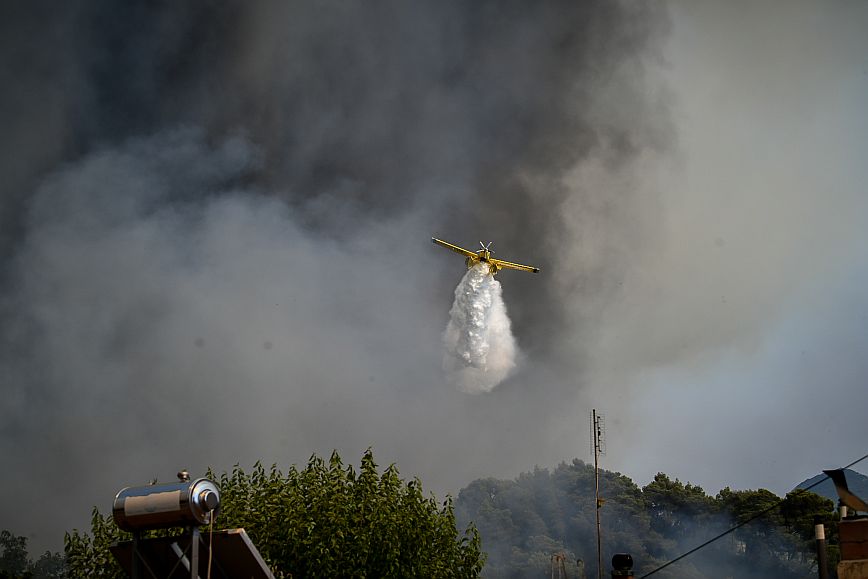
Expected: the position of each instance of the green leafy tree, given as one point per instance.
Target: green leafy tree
(800, 511)
(15, 562)
(676, 508)
(325, 520)
(49, 566)
(770, 537)
(525, 521)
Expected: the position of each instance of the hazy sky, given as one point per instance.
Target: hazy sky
(215, 225)
(742, 341)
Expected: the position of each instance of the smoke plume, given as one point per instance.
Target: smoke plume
(214, 223)
(480, 347)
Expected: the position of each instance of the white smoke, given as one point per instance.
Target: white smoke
(480, 349)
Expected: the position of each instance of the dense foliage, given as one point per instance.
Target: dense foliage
(525, 523)
(15, 562)
(329, 520)
(325, 520)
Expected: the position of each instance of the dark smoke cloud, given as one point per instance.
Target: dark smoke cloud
(215, 220)
(475, 112)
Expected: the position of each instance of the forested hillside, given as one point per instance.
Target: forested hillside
(526, 521)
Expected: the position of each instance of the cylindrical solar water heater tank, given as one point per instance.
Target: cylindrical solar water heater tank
(181, 504)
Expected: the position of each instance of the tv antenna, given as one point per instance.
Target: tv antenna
(598, 448)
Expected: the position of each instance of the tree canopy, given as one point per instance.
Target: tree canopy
(526, 522)
(325, 520)
(15, 561)
(329, 519)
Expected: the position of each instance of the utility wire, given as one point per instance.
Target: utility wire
(743, 523)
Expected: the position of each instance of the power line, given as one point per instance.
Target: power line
(743, 523)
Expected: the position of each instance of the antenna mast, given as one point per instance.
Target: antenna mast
(598, 443)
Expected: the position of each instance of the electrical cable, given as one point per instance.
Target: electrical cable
(743, 523)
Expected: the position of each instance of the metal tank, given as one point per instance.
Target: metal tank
(181, 504)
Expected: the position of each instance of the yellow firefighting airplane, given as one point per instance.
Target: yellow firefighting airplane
(484, 255)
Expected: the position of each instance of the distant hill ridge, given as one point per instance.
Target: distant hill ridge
(856, 482)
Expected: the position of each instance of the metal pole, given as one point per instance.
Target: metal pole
(597, 492)
(136, 570)
(820, 536)
(194, 553)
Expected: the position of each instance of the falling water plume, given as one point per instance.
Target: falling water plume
(480, 349)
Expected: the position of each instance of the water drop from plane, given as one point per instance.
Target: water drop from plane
(480, 350)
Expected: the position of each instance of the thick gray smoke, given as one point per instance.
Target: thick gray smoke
(480, 348)
(214, 224)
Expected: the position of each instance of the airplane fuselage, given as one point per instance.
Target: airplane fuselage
(484, 256)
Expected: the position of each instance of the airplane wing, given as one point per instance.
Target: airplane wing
(510, 265)
(455, 248)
